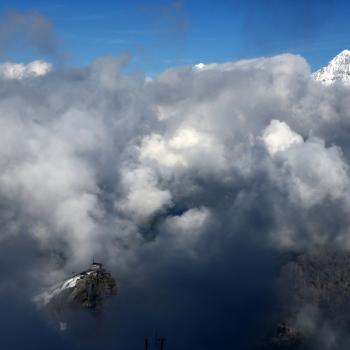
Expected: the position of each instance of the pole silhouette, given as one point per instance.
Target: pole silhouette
(161, 343)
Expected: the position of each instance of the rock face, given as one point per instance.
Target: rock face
(286, 337)
(315, 295)
(337, 70)
(84, 291)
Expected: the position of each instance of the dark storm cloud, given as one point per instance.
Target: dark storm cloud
(190, 186)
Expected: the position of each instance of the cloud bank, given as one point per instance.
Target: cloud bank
(186, 185)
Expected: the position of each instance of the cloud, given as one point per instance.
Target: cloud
(186, 186)
(313, 172)
(143, 197)
(185, 229)
(10, 70)
(324, 176)
(187, 148)
(278, 136)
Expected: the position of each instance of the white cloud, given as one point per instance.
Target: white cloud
(187, 148)
(190, 222)
(143, 198)
(10, 70)
(316, 173)
(278, 136)
(186, 229)
(156, 148)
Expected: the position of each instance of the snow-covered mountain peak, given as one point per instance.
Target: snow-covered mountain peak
(337, 70)
(85, 290)
(341, 59)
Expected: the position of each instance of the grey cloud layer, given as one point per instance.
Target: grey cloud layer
(168, 178)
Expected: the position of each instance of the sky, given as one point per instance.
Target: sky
(162, 34)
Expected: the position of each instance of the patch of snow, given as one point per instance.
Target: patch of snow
(199, 66)
(70, 283)
(45, 297)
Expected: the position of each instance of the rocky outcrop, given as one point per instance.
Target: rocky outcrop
(84, 291)
(315, 295)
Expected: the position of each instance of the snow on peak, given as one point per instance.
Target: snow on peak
(199, 66)
(17, 71)
(45, 297)
(337, 70)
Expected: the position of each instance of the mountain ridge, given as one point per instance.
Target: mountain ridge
(336, 71)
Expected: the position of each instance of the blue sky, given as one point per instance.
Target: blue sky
(161, 34)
